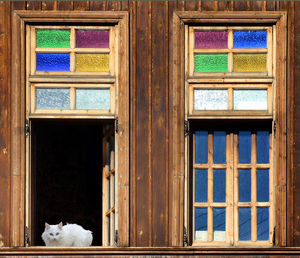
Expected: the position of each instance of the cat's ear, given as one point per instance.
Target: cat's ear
(47, 226)
(60, 225)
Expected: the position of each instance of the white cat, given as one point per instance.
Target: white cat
(67, 235)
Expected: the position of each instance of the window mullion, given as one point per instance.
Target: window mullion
(210, 188)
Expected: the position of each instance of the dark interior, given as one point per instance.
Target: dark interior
(66, 175)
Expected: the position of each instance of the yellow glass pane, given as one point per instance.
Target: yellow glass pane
(250, 63)
(92, 62)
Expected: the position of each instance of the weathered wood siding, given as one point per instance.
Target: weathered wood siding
(151, 121)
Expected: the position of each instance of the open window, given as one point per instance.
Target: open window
(76, 117)
(230, 109)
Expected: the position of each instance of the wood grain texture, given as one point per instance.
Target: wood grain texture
(65, 5)
(81, 5)
(49, 5)
(34, 5)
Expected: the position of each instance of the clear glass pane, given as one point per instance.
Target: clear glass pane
(92, 38)
(244, 147)
(52, 38)
(219, 224)
(262, 182)
(250, 63)
(211, 39)
(263, 224)
(201, 147)
(206, 63)
(219, 147)
(250, 39)
(92, 62)
(219, 185)
(52, 62)
(201, 224)
(210, 99)
(93, 99)
(201, 183)
(244, 224)
(262, 139)
(52, 98)
(244, 185)
(250, 99)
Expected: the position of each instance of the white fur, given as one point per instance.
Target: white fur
(67, 235)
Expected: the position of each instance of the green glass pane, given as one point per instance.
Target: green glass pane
(52, 38)
(211, 63)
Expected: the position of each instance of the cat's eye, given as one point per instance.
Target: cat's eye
(51, 234)
(57, 233)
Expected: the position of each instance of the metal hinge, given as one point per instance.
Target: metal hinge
(27, 127)
(186, 128)
(274, 236)
(27, 238)
(274, 128)
(185, 237)
(116, 238)
(117, 125)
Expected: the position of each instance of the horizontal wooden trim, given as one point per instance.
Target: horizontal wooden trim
(233, 50)
(229, 79)
(75, 50)
(211, 116)
(191, 250)
(72, 116)
(73, 79)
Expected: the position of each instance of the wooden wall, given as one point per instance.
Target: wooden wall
(151, 120)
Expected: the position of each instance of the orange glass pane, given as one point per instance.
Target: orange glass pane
(250, 63)
(92, 62)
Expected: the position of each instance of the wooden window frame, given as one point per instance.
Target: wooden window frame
(18, 110)
(180, 20)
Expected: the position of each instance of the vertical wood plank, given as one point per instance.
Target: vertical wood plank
(113, 5)
(209, 5)
(159, 105)
(34, 5)
(49, 5)
(5, 123)
(271, 5)
(224, 6)
(125, 5)
(240, 6)
(81, 5)
(65, 5)
(257, 5)
(191, 5)
(98, 5)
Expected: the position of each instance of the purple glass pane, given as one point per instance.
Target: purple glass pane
(211, 39)
(92, 38)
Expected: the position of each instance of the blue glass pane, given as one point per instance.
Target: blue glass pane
(53, 62)
(92, 99)
(201, 224)
(244, 185)
(250, 39)
(201, 147)
(201, 185)
(244, 224)
(219, 185)
(262, 147)
(219, 224)
(52, 98)
(262, 224)
(244, 147)
(219, 147)
(262, 182)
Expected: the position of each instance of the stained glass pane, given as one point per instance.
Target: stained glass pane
(262, 182)
(219, 224)
(244, 147)
(211, 63)
(211, 39)
(92, 98)
(52, 38)
(250, 99)
(219, 147)
(201, 177)
(52, 62)
(244, 185)
(250, 63)
(244, 224)
(250, 39)
(52, 98)
(92, 62)
(210, 99)
(219, 188)
(263, 224)
(201, 147)
(92, 38)
(262, 139)
(201, 224)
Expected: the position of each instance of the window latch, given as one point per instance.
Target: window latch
(186, 128)
(117, 125)
(274, 128)
(27, 128)
(274, 236)
(185, 237)
(27, 238)
(116, 238)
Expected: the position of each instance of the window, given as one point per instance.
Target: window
(233, 97)
(76, 122)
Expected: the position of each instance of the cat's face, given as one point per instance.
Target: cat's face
(54, 232)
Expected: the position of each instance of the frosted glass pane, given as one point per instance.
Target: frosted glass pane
(92, 38)
(250, 63)
(219, 224)
(92, 98)
(52, 38)
(52, 98)
(52, 62)
(92, 62)
(210, 99)
(211, 39)
(211, 63)
(250, 39)
(250, 100)
(201, 224)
